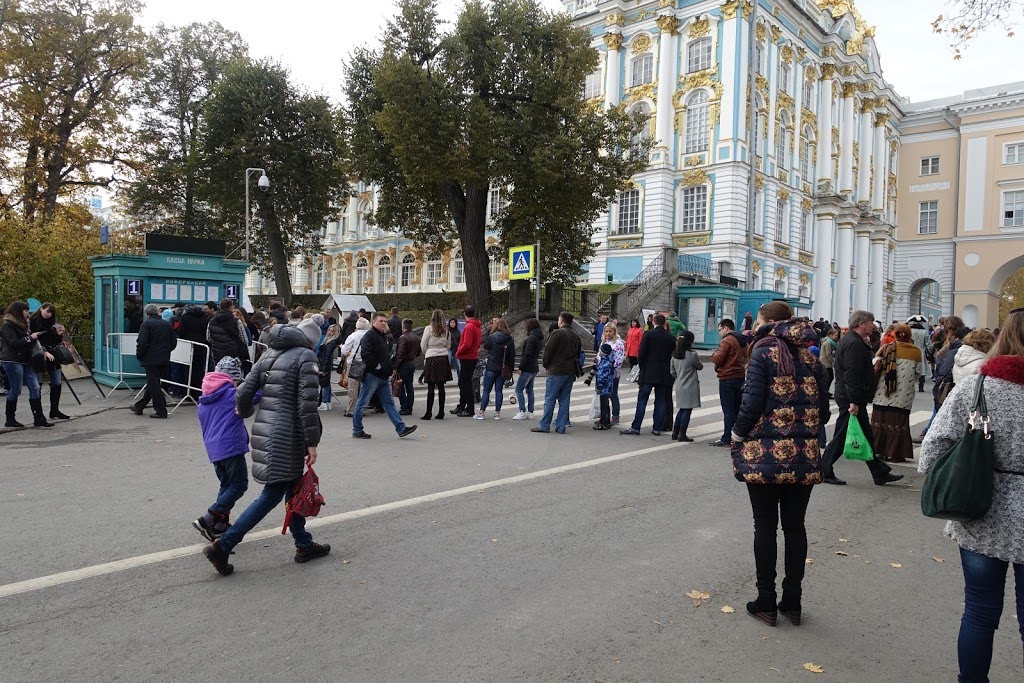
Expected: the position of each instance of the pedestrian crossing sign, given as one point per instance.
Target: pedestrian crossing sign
(522, 264)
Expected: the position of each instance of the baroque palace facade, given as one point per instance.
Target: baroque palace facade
(776, 155)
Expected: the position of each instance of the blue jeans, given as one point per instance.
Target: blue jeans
(661, 394)
(234, 480)
(380, 387)
(455, 362)
(325, 394)
(18, 374)
(491, 379)
(54, 372)
(525, 383)
(984, 594)
(556, 387)
(682, 421)
(260, 508)
(730, 391)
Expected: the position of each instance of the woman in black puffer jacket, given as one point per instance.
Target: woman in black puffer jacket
(16, 344)
(192, 327)
(529, 366)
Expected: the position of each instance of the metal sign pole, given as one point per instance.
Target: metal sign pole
(536, 266)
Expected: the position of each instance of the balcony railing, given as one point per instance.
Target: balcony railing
(695, 265)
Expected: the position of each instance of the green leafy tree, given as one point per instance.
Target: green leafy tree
(256, 118)
(438, 118)
(66, 68)
(184, 64)
(1011, 295)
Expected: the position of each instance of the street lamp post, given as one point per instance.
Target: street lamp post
(263, 184)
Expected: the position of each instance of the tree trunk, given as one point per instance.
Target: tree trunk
(275, 246)
(469, 209)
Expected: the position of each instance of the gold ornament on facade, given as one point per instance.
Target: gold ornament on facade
(811, 74)
(881, 119)
(667, 24)
(761, 83)
(776, 33)
(640, 44)
(784, 195)
(615, 19)
(865, 87)
(637, 93)
(729, 8)
(761, 32)
(801, 53)
(804, 279)
(806, 259)
(867, 106)
(828, 70)
(613, 41)
(695, 160)
(806, 204)
(783, 101)
(696, 177)
(809, 118)
(629, 243)
(893, 146)
(781, 250)
(783, 175)
(700, 28)
(786, 54)
(780, 273)
(756, 265)
(640, 16)
(666, 3)
(848, 89)
(828, 51)
(700, 239)
(759, 181)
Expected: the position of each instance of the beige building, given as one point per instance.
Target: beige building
(960, 208)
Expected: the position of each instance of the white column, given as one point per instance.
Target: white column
(825, 233)
(613, 66)
(861, 268)
(877, 305)
(825, 129)
(866, 144)
(734, 99)
(666, 83)
(880, 162)
(844, 261)
(846, 138)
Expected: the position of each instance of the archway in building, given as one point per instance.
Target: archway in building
(926, 299)
(1011, 294)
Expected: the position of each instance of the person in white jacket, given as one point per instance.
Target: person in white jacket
(350, 352)
(972, 354)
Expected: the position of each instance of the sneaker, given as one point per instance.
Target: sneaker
(615, 420)
(218, 558)
(539, 430)
(208, 532)
(718, 443)
(311, 552)
(361, 435)
(478, 416)
(629, 432)
(521, 415)
(497, 416)
(323, 408)
(407, 431)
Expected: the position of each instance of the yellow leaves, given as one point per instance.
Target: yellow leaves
(809, 561)
(814, 668)
(698, 597)
(938, 559)
(728, 610)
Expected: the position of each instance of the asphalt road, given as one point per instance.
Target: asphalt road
(470, 551)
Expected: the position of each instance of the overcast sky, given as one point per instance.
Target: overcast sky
(312, 37)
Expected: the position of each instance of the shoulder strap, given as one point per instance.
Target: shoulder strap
(980, 407)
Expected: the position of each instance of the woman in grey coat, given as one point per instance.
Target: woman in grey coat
(685, 365)
(988, 546)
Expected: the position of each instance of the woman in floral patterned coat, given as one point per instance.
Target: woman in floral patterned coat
(775, 450)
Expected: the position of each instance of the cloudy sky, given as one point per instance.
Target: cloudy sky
(312, 37)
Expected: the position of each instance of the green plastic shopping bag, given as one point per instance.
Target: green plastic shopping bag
(856, 446)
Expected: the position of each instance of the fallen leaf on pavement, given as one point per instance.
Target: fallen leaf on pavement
(814, 668)
(494, 540)
(362, 582)
(840, 553)
(896, 565)
(772, 668)
(844, 540)
(346, 561)
(698, 603)
(809, 561)
(728, 610)
(938, 559)
(698, 595)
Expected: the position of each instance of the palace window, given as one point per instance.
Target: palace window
(433, 272)
(697, 122)
(758, 213)
(784, 73)
(629, 213)
(695, 209)
(1013, 209)
(643, 70)
(498, 270)
(497, 201)
(1013, 153)
(928, 218)
(645, 132)
(592, 86)
(930, 166)
(321, 277)
(805, 231)
(808, 93)
(698, 55)
(780, 222)
(759, 119)
(782, 141)
(458, 269)
(807, 153)
(362, 273)
(385, 272)
(408, 270)
(759, 58)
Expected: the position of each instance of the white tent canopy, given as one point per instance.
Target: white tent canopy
(343, 303)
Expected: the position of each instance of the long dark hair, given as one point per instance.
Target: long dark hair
(37, 317)
(16, 313)
(684, 343)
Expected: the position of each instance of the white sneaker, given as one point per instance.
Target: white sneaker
(497, 416)
(529, 416)
(521, 415)
(478, 416)
(323, 408)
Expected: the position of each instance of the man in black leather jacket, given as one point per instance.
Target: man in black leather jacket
(375, 350)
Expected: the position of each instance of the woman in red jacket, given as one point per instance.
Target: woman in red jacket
(636, 332)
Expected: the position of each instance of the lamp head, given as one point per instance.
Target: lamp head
(264, 182)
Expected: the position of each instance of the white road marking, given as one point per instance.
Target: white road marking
(94, 571)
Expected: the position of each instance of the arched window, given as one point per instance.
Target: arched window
(498, 270)
(807, 153)
(321, 276)
(759, 57)
(697, 122)
(458, 268)
(759, 122)
(781, 224)
(782, 141)
(362, 272)
(805, 230)
(385, 272)
(784, 77)
(809, 94)
(645, 133)
(408, 270)
(698, 55)
(643, 70)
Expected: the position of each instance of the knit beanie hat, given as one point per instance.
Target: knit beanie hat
(311, 329)
(362, 324)
(231, 367)
(606, 349)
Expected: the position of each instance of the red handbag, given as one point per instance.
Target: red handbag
(306, 499)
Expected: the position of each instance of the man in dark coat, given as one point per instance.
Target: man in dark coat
(192, 328)
(226, 334)
(655, 357)
(395, 324)
(348, 326)
(375, 351)
(855, 388)
(153, 349)
(561, 362)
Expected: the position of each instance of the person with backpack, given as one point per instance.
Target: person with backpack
(226, 442)
(285, 435)
(730, 361)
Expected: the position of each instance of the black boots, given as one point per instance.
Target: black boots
(12, 408)
(55, 413)
(37, 413)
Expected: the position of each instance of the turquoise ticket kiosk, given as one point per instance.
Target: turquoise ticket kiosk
(173, 270)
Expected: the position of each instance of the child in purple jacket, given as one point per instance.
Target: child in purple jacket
(226, 442)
